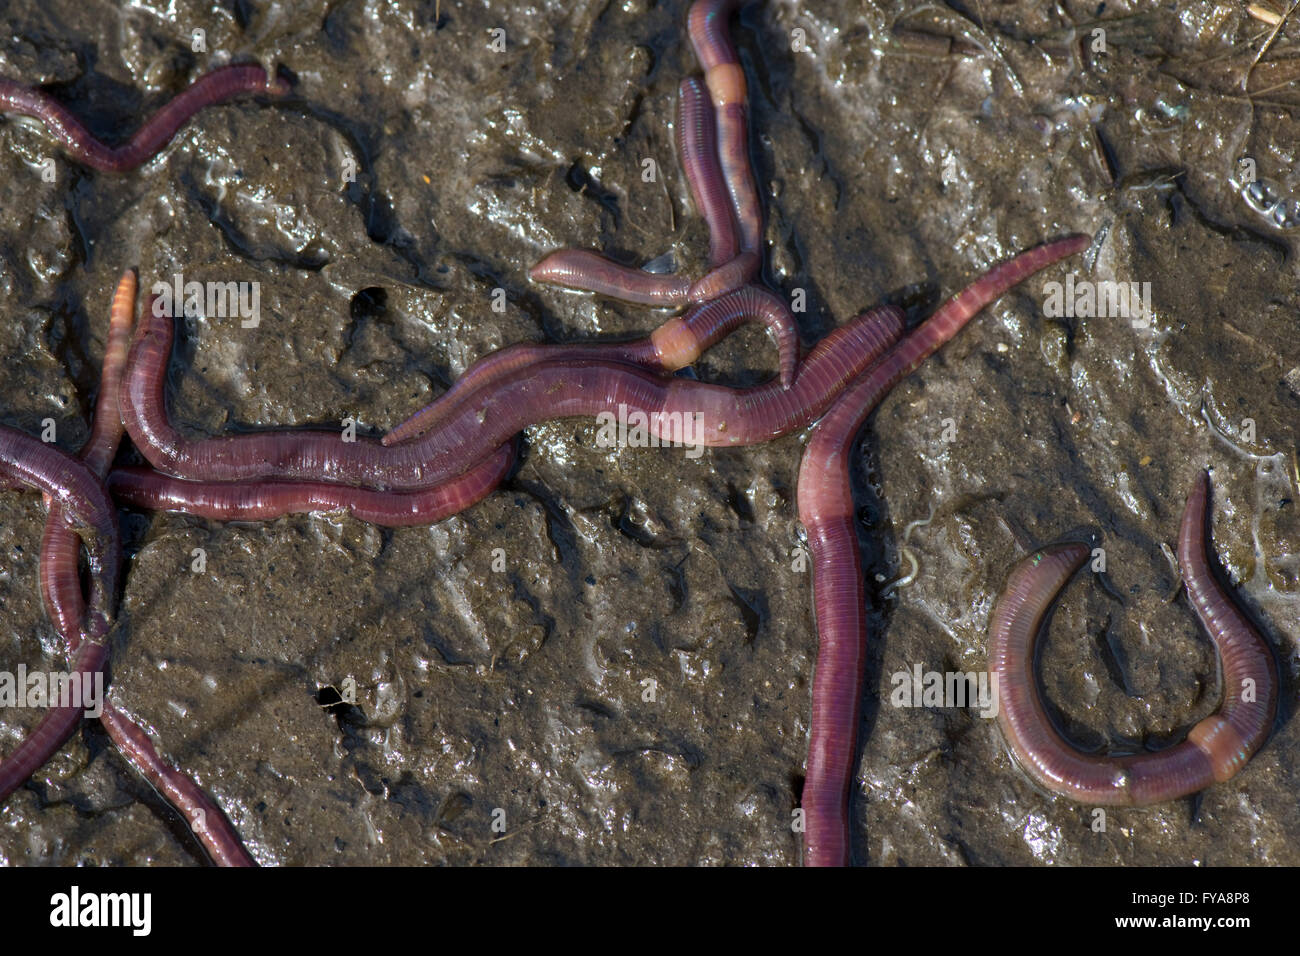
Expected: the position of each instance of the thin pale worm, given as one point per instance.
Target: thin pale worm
(588, 271)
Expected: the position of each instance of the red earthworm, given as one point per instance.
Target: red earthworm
(98, 453)
(1215, 749)
(85, 507)
(677, 343)
(534, 393)
(697, 145)
(730, 275)
(725, 79)
(82, 146)
(591, 272)
(265, 500)
(826, 510)
(717, 415)
(61, 591)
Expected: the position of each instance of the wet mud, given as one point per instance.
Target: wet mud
(612, 655)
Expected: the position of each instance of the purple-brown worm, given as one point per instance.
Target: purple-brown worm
(725, 79)
(61, 591)
(677, 343)
(266, 500)
(85, 509)
(716, 414)
(826, 509)
(531, 394)
(82, 146)
(1214, 750)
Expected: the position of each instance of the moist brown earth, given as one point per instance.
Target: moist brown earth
(611, 657)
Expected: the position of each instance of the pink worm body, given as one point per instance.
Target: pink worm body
(725, 80)
(1215, 749)
(61, 590)
(826, 510)
(677, 343)
(716, 415)
(80, 144)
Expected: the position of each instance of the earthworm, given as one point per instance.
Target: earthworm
(82, 146)
(1215, 749)
(725, 80)
(826, 509)
(85, 508)
(714, 414)
(589, 271)
(98, 453)
(61, 591)
(63, 601)
(531, 394)
(677, 343)
(697, 146)
(265, 500)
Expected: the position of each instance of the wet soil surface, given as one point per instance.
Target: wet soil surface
(612, 655)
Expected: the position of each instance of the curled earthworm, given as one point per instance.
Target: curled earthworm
(826, 509)
(725, 80)
(677, 343)
(81, 145)
(1215, 749)
(61, 591)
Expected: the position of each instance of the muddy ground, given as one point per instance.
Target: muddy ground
(901, 151)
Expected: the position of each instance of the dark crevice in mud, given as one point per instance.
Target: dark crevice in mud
(597, 708)
(348, 716)
(377, 215)
(560, 531)
(367, 305)
(754, 612)
(1109, 642)
(443, 649)
(581, 181)
(678, 588)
